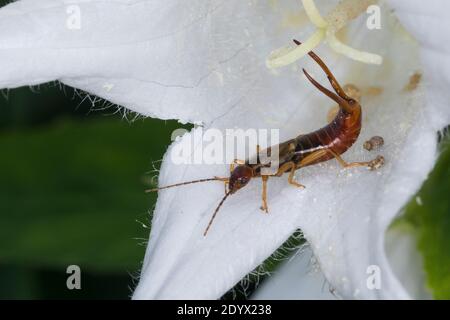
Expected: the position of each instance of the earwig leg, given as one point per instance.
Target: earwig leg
(285, 168)
(264, 206)
(225, 182)
(293, 182)
(289, 166)
(371, 165)
(226, 185)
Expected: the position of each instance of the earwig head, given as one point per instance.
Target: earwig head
(239, 178)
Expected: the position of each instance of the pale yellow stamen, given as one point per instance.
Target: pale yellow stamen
(327, 27)
(314, 14)
(352, 53)
(287, 55)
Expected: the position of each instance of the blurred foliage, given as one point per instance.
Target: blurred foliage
(429, 214)
(72, 192)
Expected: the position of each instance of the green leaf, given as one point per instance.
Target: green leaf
(429, 214)
(72, 193)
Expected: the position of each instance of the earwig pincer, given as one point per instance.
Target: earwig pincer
(321, 145)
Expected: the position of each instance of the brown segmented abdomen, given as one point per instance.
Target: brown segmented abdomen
(338, 136)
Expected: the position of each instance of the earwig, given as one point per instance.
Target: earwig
(321, 145)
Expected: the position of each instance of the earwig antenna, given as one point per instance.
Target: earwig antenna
(185, 183)
(215, 213)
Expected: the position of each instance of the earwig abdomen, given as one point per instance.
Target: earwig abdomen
(320, 145)
(338, 136)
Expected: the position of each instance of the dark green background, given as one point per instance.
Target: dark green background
(72, 192)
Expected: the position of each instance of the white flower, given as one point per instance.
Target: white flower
(204, 61)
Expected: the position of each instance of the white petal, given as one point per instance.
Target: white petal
(153, 57)
(296, 279)
(407, 261)
(344, 214)
(428, 22)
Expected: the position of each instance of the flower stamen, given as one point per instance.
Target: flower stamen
(327, 27)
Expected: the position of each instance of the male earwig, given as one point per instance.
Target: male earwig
(321, 145)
